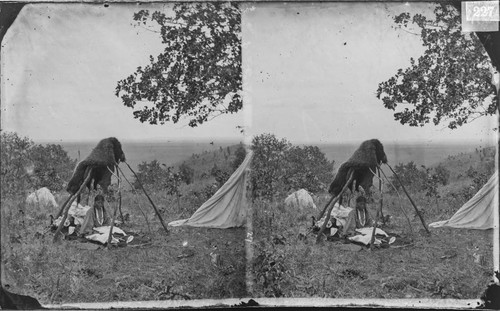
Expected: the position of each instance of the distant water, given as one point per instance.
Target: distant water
(420, 154)
(168, 153)
(174, 152)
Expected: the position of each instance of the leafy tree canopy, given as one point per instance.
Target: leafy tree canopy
(198, 76)
(451, 82)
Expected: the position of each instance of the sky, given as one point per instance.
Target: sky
(311, 71)
(61, 64)
(315, 69)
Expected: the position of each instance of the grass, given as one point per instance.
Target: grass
(442, 265)
(163, 269)
(283, 262)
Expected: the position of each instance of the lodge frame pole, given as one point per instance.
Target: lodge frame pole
(150, 201)
(379, 210)
(138, 204)
(413, 203)
(69, 202)
(326, 206)
(118, 205)
(329, 213)
(63, 206)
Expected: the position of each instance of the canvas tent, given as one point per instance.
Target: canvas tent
(478, 212)
(227, 207)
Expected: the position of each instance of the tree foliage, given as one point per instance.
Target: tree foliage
(307, 167)
(279, 167)
(149, 174)
(198, 76)
(26, 166)
(52, 166)
(421, 179)
(267, 165)
(451, 82)
(239, 156)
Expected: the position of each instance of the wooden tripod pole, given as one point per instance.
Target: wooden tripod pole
(328, 214)
(326, 206)
(379, 210)
(63, 206)
(68, 204)
(150, 201)
(412, 203)
(110, 236)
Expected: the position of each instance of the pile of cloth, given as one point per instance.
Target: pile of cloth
(363, 235)
(76, 216)
(101, 235)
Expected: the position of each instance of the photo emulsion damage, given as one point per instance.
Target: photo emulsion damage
(241, 154)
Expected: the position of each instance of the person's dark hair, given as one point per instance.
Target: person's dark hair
(361, 199)
(99, 197)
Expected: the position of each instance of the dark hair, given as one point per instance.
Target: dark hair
(99, 197)
(361, 199)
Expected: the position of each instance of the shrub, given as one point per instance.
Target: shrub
(16, 167)
(267, 165)
(279, 167)
(26, 165)
(150, 174)
(186, 173)
(52, 166)
(239, 156)
(307, 168)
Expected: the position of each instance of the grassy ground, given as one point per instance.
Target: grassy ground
(173, 266)
(442, 265)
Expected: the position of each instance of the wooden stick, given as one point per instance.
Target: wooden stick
(72, 198)
(400, 201)
(150, 201)
(379, 211)
(329, 213)
(62, 207)
(413, 203)
(138, 203)
(324, 209)
(110, 236)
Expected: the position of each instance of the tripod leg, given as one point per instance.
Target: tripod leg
(328, 215)
(70, 200)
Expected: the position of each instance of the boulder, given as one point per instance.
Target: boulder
(301, 199)
(41, 197)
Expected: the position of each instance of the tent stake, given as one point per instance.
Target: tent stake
(150, 201)
(329, 213)
(69, 201)
(413, 203)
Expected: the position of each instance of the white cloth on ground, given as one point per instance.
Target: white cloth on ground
(365, 235)
(102, 234)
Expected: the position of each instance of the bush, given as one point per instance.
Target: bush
(307, 168)
(267, 165)
(186, 173)
(421, 180)
(279, 167)
(52, 166)
(239, 156)
(26, 165)
(16, 167)
(151, 175)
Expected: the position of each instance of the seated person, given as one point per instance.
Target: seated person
(95, 216)
(357, 218)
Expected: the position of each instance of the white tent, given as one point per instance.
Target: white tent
(479, 212)
(227, 207)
